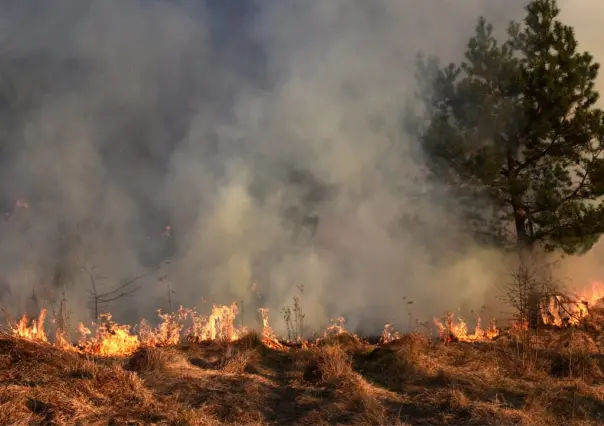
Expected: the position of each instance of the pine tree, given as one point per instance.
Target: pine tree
(514, 126)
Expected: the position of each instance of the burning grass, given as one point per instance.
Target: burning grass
(211, 372)
(406, 380)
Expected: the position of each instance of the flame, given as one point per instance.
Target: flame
(110, 339)
(389, 334)
(167, 333)
(561, 311)
(62, 341)
(218, 326)
(33, 331)
(452, 330)
(269, 337)
(337, 327)
(595, 296)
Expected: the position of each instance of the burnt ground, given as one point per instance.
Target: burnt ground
(559, 379)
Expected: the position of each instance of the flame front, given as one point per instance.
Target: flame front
(220, 325)
(389, 334)
(33, 331)
(269, 337)
(110, 339)
(562, 311)
(457, 330)
(595, 296)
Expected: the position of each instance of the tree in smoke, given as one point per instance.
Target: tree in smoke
(515, 125)
(100, 298)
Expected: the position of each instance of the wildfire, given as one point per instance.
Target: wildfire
(167, 333)
(33, 331)
(218, 326)
(595, 296)
(269, 338)
(457, 330)
(109, 340)
(389, 334)
(337, 327)
(560, 310)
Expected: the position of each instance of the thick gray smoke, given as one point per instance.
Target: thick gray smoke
(269, 136)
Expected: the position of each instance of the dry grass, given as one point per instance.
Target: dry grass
(341, 381)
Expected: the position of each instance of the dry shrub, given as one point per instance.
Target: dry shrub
(146, 359)
(456, 399)
(370, 409)
(82, 369)
(249, 340)
(13, 407)
(413, 342)
(395, 363)
(240, 361)
(564, 402)
(149, 359)
(576, 365)
(390, 368)
(344, 340)
(330, 365)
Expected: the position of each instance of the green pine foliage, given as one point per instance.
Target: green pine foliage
(515, 124)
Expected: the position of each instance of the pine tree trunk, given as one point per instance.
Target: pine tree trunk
(525, 252)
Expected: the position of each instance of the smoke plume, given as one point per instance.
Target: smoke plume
(239, 149)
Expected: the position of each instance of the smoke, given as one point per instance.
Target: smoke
(269, 136)
(576, 273)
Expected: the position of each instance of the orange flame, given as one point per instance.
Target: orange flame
(595, 296)
(453, 330)
(110, 339)
(561, 311)
(389, 334)
(168, 331)
(269, 337)
(218, 326)
(33, 331)
(337, 327)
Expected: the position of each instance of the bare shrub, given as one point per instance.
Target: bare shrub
(294, 318)
(529, 286)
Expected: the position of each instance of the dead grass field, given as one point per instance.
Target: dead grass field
(341, 381)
